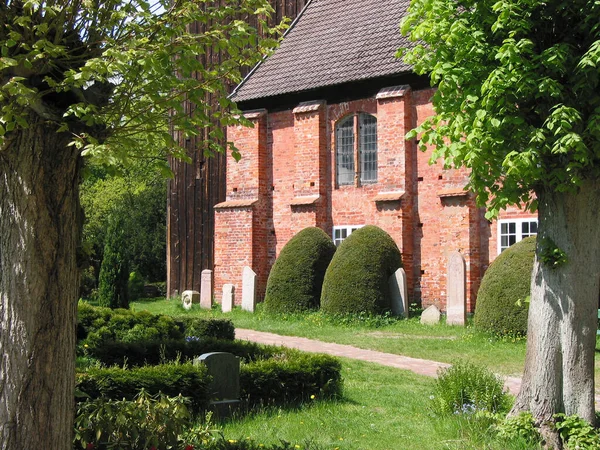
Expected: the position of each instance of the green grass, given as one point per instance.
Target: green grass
(382, 409)
(441, 342)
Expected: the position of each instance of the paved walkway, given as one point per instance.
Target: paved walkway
(416, 365)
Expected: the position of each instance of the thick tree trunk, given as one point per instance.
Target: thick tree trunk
(40, 225)
(561, 335)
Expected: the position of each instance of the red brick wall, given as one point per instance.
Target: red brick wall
(289, 156)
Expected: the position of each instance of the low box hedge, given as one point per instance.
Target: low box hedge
(98, 325)
(170, 379)
(155, 352)
(288, 377)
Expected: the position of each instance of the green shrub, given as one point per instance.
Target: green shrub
(521, 426)
(503, 297)
(135, 286)
(97, 326)
(296, 278)
(576, 433)
(114, 271)
(171, 379)
(215, 328)
(356, 281)
(110, 352)
(291, 377)
(148, 421)
(465, 388)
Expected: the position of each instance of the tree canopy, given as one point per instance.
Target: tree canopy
(517, 97)
(109, 71)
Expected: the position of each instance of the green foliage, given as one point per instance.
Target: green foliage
(520, 426)
(132, 85)
(465, 388)
(356, 281)
(291, 377)
(114, 272)
(145, 422)
(135, 196)
(135, 286)
(576, 433)
(551, 255)
(517, 102)
(138, 353)
(171, 379)
(296, 278)
(502, 304)
(214, 328)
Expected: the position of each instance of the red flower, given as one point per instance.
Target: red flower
(90, 446)
(189, 447)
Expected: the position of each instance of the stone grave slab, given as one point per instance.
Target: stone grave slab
(431, 315)
(248, 289)
(188, 298)
(456, 300)
(399, 293)
(228, 298)
(206, 289)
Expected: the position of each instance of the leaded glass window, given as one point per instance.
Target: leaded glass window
(356, 143)
(344, 137)
(368, 148)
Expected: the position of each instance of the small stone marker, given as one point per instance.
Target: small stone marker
(188, 298)
(431, 315)
(456, 304)
(248, 289)
(228, 298)
(399, 293)
(206, 288)
(224, 369)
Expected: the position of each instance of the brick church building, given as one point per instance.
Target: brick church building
(330, 110)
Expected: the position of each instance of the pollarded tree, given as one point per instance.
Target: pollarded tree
(88, 77)
(518, 103)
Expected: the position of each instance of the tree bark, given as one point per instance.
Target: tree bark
(561, 334)
(40, 228)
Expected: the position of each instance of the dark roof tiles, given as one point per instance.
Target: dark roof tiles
(332, 42)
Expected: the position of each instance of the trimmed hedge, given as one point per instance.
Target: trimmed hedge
(356, 281)
(296, 278)
(293, 377)
(289, 377)
(154, 352)
(501, 301)
(97, 326)
(171, 379)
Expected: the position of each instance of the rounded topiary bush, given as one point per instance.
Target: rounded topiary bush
(356, 281)
(295, 281)
(502, 304)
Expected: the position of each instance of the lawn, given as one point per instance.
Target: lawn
(403, 337)
(382, 409)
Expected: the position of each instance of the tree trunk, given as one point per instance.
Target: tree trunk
(561, 334)
(40, 224)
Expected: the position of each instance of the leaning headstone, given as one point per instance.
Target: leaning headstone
(456, 300)
(188, 298)
(206, 288)
(248, 289)
(431, 315)
(228, 298)
(224, 388)
(399, 293)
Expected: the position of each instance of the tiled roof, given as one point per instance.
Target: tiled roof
(332, 42)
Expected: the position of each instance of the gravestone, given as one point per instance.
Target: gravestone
(248, 289)
(431, 315)
(206, 288)
(456, 300)
(398, 293)
(228, 298)
(224, 388)
(188, 298)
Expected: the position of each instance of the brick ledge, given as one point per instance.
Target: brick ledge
(389, 196)
(306, 200)
(232, 204)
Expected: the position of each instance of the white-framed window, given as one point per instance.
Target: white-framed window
(342, 232)
(511, 231)
(356, 146)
